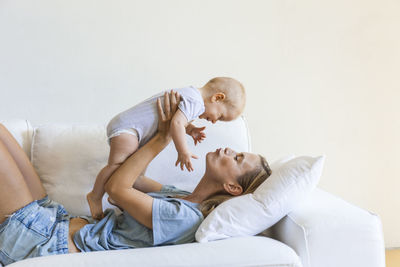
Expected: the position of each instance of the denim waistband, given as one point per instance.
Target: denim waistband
(38, 229)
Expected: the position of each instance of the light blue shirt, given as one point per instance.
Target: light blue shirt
(175, 221)
(144, 116)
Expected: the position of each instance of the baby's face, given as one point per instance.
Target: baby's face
(217, 111)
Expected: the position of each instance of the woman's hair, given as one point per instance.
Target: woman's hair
(248, 181)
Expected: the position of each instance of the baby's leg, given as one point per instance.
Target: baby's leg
(121, 147)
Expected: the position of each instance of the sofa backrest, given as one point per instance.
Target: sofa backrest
(68, 157)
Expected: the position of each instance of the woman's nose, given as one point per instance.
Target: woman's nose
(227, 150)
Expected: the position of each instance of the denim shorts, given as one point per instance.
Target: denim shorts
(38, 229)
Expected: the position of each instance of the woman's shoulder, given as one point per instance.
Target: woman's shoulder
(170, 198)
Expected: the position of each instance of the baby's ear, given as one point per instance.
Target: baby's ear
(218, 97)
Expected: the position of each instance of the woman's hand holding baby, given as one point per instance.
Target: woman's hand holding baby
(165, 114)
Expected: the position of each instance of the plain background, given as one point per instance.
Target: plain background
(322, 77)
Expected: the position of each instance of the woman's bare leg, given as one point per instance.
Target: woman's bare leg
(14, 192)
(121, 147)
(24, 165)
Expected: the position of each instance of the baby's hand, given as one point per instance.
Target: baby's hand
(184, 159)
(198, 135)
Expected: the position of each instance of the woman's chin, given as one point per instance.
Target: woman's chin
(209, 156)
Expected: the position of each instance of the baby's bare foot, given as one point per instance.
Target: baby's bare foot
(95, 205)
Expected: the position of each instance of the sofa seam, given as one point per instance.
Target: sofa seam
(33, 143)
(305, 238)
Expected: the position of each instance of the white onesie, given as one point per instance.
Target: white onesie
(143, 118)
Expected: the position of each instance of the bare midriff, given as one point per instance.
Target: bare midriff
(74, 225)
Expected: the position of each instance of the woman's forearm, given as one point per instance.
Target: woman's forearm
(126, 175)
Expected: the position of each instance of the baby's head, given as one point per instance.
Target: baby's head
(224, 99)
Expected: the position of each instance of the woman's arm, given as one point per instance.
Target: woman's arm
(146, 184)
(119, 186)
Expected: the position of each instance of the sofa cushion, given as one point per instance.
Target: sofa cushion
(243, 251)
(69, 157)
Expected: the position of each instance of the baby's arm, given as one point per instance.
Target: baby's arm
(178, 131)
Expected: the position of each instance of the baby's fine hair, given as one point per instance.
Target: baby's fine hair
(235, 95)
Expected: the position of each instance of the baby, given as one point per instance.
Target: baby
(220, 99)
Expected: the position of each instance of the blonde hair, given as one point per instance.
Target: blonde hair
(235, 95)
(249, 182)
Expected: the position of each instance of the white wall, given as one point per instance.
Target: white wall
(321, 76)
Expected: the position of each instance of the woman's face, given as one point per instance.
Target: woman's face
(226, 164)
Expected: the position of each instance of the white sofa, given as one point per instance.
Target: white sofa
(322, 231)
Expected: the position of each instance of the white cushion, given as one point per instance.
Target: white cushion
(279, 162)
(278, 195)
(68, 158)
(238, 252)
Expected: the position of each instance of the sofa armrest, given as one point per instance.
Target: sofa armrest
(328, 231)
(22, 131)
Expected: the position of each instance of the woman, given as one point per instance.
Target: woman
(32, 225)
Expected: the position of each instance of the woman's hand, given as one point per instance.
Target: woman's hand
(171, 101)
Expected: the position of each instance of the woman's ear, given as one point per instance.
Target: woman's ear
(218, 97)
(233, 188)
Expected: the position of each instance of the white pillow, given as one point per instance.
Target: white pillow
(279, 162)
(273, 199)
(67, 159)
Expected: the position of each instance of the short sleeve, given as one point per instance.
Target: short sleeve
(191, 108)
(172, 190)
(174, 221)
